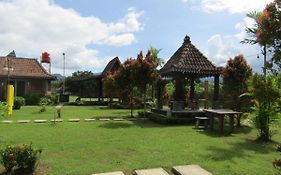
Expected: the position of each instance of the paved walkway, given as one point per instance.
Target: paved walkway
(177, 170)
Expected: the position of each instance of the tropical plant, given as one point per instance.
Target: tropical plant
(266, 94)
(267, 33)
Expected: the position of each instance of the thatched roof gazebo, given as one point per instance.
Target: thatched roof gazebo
(189, 63)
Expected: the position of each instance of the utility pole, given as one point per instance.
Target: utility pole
(63, 87)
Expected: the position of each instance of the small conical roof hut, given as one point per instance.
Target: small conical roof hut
(189, 60)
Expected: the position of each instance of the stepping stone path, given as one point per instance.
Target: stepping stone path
(71, 120)
(89, 119)
(23, 121)
(132, 119)
(104, 119)
(118, 119)
(74, 120)
(7, 121)
(40, 121)
(57, 120)
(154, 171)
(111, 173)
(190, 170)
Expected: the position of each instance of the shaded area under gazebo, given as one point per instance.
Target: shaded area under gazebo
(187, 64)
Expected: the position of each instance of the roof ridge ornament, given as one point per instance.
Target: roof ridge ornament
(187, 39)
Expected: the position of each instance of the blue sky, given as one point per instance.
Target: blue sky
(92, 32)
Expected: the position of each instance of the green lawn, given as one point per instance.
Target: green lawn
(32, 112)
(86, 148)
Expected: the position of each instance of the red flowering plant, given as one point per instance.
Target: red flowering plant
(267, 31)
(19, 157)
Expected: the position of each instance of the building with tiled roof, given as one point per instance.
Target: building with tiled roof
(26, 74)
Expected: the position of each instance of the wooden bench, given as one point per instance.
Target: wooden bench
(198, 121)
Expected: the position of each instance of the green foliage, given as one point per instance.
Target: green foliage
(18, 102)
(267, 31)
(266, 94)
(235, 76)
(32, 98)
(3, 108)
(80, 84)
(134, 76)
(277, 162)
(22, 157)
(44, 101)
(155, 59)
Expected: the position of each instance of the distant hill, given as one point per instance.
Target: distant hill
(59, 76)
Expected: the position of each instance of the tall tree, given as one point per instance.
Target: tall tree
(267, 33)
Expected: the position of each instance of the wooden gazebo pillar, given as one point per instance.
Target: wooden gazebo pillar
(159, 94)
(216, 91)
(191, 92)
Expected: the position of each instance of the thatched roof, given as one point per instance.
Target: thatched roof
(189, 60)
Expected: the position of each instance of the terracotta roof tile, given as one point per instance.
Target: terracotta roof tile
(189, 60)
(24, 68)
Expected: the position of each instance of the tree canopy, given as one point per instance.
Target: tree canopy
(267, 32)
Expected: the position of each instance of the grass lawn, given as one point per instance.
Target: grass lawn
(67, 112)
(86, 148)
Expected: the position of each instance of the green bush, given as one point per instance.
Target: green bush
(32, 98)
(20, 157)
(53, 99)
(18, 102)
(3, 108)
(44, 101)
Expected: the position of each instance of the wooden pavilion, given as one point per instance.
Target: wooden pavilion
(188, 63)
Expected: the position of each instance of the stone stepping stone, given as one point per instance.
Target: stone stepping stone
(40, 121)
(111, 173)
(154, 171)
(57, 120)
(74, 120)
(7, 121)
(104, 119)
(23, 121)
(118, 119)
(132, 119)
(89, 119)
(190, 170)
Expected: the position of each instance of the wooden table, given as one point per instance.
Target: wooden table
(221, 114)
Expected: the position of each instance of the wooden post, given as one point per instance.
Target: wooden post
(160, 87)
(206, 94)
(216, 91)
(191, 94)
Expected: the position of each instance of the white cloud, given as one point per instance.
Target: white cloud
(184, 1)
(222, 47)
(233, 6)
(33, 26)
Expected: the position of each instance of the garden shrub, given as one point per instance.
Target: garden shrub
(32, 98)
(44, 101)
(20, 157)
(3, 108)
(53, 99)
(18, 102)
